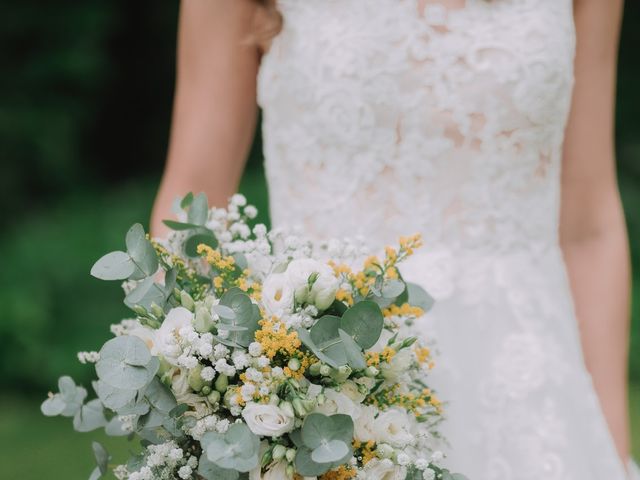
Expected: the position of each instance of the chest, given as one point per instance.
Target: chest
(418, 50)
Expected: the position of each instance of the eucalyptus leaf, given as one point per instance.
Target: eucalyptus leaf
(114, 266)
(160, 397)
(186, 200)
(210, 471)
(246, 315)
(53, 406)
(125, 363)
(419, 297)
(90, 417)
(67, 402)
(96, 474)
(224, 312)
(237, 449)
(198, 210)
(142, 252)
(172, 224)
(114, 398)
(306, 466)
(191, 243)
(319, 429)
(178, 410)
(131, 350)
(115, 428)
(147, 293)
(240, 261)
(355, 357)
(392, 288)
(363, 322)
(102, 457)
(330, 451)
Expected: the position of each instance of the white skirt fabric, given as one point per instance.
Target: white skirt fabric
(520, 403)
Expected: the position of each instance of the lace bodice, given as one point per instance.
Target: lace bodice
(387, 117)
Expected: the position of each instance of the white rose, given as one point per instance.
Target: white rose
(168, 333)
(363, 425)
(267, 420)
(275, 471)
(393, 427)
(399, 364)
(337, 402)
(385, 469)
(350, 389)
(324, 288)
(277, 294)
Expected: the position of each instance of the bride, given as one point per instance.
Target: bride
(486, 125)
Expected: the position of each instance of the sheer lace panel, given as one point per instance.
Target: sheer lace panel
(385, 117)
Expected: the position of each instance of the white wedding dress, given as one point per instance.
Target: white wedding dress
(390, 117)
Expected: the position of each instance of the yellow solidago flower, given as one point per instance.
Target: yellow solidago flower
(388, 353)
(344, 296)
(366, 451)
(422, 354)
(274, 338)
(343, 472)
(404, 310)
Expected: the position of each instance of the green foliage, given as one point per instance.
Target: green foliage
(237, 449)
(324, 442)
(340, 341)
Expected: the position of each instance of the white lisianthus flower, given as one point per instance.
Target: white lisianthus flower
(363, 425)
(277, 294)
(393, 427)
(400, 363)
(267, 420)
(323, 290)
(169, 332)
(384, 469)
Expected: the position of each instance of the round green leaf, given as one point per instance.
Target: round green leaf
(363, 322)
(191, 243)
(53, 406)
(330, 451)
(114, 266)
(131, 350)
(419, 297)
(90, 417)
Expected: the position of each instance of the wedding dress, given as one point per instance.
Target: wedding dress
(389, 117)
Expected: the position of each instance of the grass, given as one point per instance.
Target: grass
(35, 447)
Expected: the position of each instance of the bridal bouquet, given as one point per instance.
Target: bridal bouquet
(255, 354)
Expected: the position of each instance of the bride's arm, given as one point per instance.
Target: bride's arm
(593, 231)
(215, 103)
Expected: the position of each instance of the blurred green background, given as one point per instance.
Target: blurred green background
(85, 98)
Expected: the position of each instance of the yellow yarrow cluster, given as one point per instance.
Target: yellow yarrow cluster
(410, 243)
(423, 355)
(215, 258)
(225, 266)
(404, 310)
(305, 362)
(366, 451)
(414, 402)
(374, 359)
(274, 338)
(343, 472)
